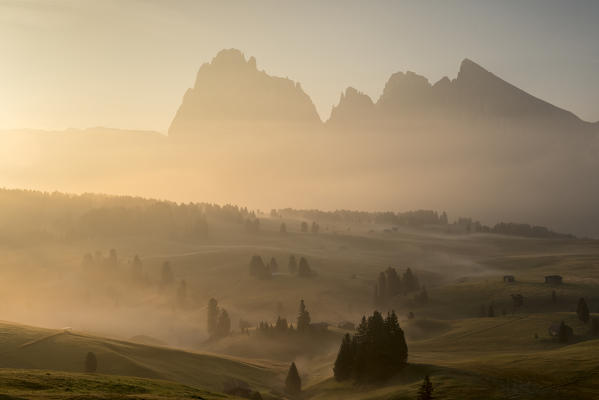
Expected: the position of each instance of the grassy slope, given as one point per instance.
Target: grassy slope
(36, 348)
(39, 384)
(489, 358)
(467, 357)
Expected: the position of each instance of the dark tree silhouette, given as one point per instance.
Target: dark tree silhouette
(553, 296)
(315, 227)
(303, 318)
(292, 265)
(223, 326)
(426, 389)
(345, 359)
(565, 333)
(91, 362)
(274, 266)
(137, 268)
(293, 383)
(113, 259)
(517, 300)
(258, 269)
(377, 351)
(182, 293)
(212, 317)
(283, 228)
(491, 312)
(595, 326)
(167, 276)
(410, 282)
(304, 270)
(304, 227)
(582, 310)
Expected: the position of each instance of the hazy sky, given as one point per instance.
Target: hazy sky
(127, 64)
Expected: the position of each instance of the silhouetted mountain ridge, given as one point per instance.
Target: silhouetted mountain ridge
(474, 93)
(231, 89)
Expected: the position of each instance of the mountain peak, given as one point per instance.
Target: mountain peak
(231, 90)
(232, 58)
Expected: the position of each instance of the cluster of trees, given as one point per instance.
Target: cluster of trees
(282, 327)
(421, 218)
(218, 321)
(315, 228)
(34, 214)
(511, 229)
(377, 351)
(97, 259)
(527, 230)
(411, 218)
(252, 225)
(260, 269)
(390, 284)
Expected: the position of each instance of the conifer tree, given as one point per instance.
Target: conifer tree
(283, 228)
(382, 289)
(223, 326)
(426, 389)
(293, 383)
(91, 362)
(583, 310)
(565, 333)
(212, 316)
(167, 276)
(303, 318)
(182, 293)
(345, 359)
(292, 265)
(304, 268)
(595, 326)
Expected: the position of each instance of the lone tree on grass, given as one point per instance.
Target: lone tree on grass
(565, 333)
(212, 316)
(583, 310)
(91, 362)
(293, 383)
(426, 389)
(303, 318)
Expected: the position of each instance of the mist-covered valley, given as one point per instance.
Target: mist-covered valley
(430, 233)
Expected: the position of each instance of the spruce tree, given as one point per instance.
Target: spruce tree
(426, 389)
(212, 316)
(303, 318)
(292, 265)
(565, 333)
(167, 276)
(382, 289)
(293, 383)
(345, 359)
(91, 362)
(304, 270)
(223, 327)
(595, 326)
(583, 310)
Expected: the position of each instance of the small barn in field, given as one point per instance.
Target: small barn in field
(553, 279)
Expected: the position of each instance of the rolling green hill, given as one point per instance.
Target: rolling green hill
(24, 347)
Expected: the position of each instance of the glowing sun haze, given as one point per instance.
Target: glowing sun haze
(127, 64)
